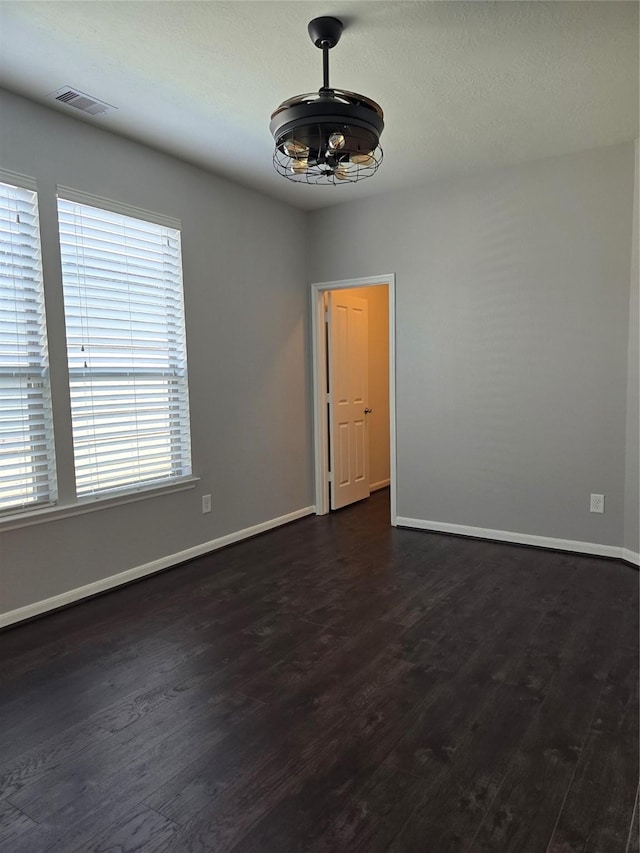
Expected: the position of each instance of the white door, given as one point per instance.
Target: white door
(348, 392)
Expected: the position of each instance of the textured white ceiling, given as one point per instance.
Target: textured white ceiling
(465, 86)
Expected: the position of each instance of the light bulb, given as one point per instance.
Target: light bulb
(363, 159)
(299, 166)
(295, 148)
(336, 141)
(341, 173)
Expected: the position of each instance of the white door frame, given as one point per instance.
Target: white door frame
(319, 354)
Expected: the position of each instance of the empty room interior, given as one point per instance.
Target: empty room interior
(319, 503)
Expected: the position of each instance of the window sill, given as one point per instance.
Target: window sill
(84, 505)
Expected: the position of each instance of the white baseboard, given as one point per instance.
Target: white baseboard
(630, 556)
(593, 548)
(381, 484)
(39, 607)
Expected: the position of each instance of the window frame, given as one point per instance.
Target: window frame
(67, 503)
(66, 194)
(44, 470)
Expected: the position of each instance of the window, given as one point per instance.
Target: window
(124, 313)
(125, 336)
(27, 471)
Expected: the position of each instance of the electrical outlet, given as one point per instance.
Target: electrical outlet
(597, 503)
(206, 504)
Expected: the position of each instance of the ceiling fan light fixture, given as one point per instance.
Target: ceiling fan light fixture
(362, 159)
(295, 148)
(334, 132)
(336, 141)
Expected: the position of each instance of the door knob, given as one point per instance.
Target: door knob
(368, 411)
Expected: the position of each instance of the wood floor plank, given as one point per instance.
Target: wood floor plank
(595, 815)
(231, 796)
(93, 686)
(633, 841)
(13, 823)
(342, 805)
(340, 811)
(139, 830)
(29, 766)
(525, 811)
(243, 759)
(75, 821)
(71, 780)
(458, 795)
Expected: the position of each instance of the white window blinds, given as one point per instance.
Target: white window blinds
(27, 471)
(122, 280)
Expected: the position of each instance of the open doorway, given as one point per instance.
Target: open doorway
(365, 303)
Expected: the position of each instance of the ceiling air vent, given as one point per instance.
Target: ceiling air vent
(85, 103)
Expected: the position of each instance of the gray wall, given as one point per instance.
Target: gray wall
(512, 328)
(246, 317)
(632, 502)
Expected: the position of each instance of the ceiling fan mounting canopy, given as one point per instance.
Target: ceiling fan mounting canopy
(325, 32)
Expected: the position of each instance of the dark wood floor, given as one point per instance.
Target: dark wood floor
(334, 685)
